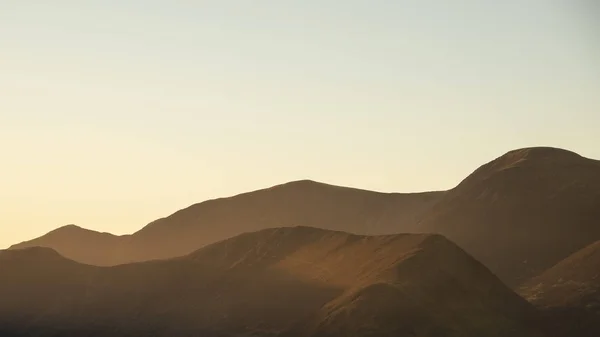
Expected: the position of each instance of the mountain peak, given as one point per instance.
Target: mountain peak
(544, 151)
(541, 153)
(70, 228)
(305, 183)
(542, 160)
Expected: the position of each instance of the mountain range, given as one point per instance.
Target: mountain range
(311, 259)
(519, 214)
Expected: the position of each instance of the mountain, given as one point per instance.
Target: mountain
(80, 244)
(523, 212)
(305, 203)
(519, 214)
(293, 282)
(570, 291)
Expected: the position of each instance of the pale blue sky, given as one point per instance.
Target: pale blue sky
(115, 113)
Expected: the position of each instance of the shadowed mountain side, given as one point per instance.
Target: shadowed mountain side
(570, 292)
(305, 203)
(266, 283)
(522, 212)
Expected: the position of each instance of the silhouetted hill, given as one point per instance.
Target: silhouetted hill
(522, 212)
(570, 292)
(296, 281)
(305, 203)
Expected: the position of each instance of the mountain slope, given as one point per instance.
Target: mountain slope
(570, 291)
(522, 212)
(305, 203)
(295, 281)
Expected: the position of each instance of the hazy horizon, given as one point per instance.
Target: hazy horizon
(116, 113)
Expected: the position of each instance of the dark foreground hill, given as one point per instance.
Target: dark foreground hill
(519, 214)
(569, 292)
(295, 281)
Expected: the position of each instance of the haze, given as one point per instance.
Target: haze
(115, 113)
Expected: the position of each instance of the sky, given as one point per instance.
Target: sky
(115, 113)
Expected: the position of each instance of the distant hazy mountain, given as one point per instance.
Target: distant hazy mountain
(519, 214)
(295, 281)
(570, 292)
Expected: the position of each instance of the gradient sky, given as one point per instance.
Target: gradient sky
(115, 113)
